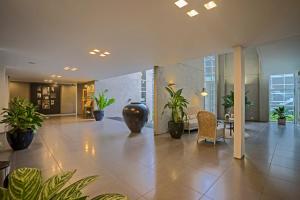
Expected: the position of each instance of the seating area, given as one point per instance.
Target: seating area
(149, 100)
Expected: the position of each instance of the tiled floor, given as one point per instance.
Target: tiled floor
(147, 167)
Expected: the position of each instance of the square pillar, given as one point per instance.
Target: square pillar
(239, 102)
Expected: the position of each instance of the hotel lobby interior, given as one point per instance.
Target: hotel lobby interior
(142, 100)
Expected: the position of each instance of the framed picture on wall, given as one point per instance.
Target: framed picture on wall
(46, 90)
(53, 95)
(39, 102)
(52, 102)
(46, 97)
(52, 89)
(39, 89)
(45, 104)
(39, 95)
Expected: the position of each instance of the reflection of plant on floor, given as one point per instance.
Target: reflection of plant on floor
(26, 183)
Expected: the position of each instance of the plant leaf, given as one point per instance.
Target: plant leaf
(73, 190)
(4, 194)
(54, 184)
(24, 184)
(110, 197)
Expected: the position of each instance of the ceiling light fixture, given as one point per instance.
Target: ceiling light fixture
(74, 69)
(92, 52)
(192, 13)
(210, 5)
(96, 50)
(59, 76)
(181, 3)
(102, 55)
(53, 75)
(67, 68)
(107, 53)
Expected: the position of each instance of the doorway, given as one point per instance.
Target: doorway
(282, 93)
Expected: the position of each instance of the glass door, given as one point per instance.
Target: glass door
(282, 93)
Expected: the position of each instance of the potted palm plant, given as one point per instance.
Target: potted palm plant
(177, 104)
(102, 102)
(229, 102)
(280, 114)
(23, 121)
(27, 183)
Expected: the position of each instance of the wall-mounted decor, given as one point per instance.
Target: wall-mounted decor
(46, 97)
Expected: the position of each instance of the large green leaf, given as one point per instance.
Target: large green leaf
(73, 190)
(24, 184)
(4, 194)
(54, 184)
(110, 197)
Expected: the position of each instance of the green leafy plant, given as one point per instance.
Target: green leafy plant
(21, 115)
(279, 113)
(102, 101)
(177, 104)
(27, 184)
(229, 100)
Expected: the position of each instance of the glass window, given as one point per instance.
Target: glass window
(210, 83)
(282, 94)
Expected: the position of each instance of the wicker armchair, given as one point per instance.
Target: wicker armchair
(209, 128)
(192, 122)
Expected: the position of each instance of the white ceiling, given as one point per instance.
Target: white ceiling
(139, 33)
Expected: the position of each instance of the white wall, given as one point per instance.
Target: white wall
(19, 89)
(4, 94)
(187, 75)
(122, 88)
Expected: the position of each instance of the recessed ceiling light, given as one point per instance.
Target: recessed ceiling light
(210, 5)
(181, 3)
(96, 50)
(74, 69)
(53, 75)
(59, 76)
(67, 68)
(192, 13)
(92, 52)
(106, 53)
(102, 55)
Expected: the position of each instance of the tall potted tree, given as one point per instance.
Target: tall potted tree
(102, 102)
(22, 120)
(177, 104)
(280, 114)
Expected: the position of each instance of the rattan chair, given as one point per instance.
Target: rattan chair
(209, 128)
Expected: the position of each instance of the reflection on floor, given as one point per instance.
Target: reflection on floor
(147, 167)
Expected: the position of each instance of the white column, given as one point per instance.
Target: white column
(3, 92)
(239, 102)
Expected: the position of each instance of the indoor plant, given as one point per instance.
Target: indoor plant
(102, 102)
(280, 114)
(229, 102)
(177, 104)
(22, 120)
(27, 183)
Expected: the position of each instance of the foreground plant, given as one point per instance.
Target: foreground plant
(27, 184)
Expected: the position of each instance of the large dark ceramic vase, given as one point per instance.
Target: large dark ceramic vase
(98, 114)
(135, 116)
(176, 129)
(19, 140)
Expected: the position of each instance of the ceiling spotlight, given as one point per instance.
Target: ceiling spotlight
(59, 76)
(192, 13)
(181, 3)
(53, 75)
(92, 52)
(96, 50)
(74, 69)
(210, 5)
(67, 68)
(106, 53)
(102, 55)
